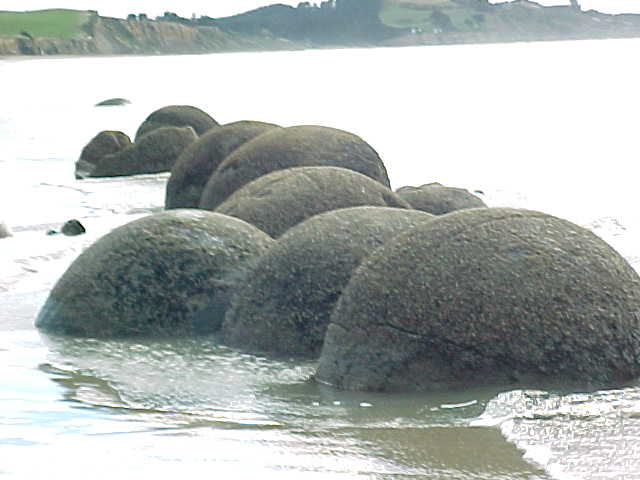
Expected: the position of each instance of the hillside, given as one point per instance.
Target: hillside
(333, 23)
(478, 21)
(59, 23)
(70, 32)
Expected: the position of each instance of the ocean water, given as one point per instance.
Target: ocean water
(545, 126)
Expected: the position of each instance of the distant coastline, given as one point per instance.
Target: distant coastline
(332, 24)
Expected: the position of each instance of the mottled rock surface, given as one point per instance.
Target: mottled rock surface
(104, 143)
(177, 116)
(437, 199)
(155, 152)
(276, 202)
(486, 296)
(167, 274)
(300, 146)
(199, 160)
(283, 307)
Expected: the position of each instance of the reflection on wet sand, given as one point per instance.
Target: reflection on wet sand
(197, 391)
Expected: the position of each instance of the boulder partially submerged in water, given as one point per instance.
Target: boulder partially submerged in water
(153, 153)
(104, 143)
(276, 202)
(481, 296)
(177, 116)
(283, 306)
(300, 146)
(197, 162)
(167, 274)
(437, 199)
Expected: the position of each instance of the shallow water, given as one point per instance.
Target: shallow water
(547, 126)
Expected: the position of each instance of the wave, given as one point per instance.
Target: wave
(576, 436)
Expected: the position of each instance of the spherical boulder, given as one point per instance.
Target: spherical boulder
(171, 273)
(177, 116)
(155, 152)
(486, 296)
(104, 143)
(437, 199)
(5, 231)
(284, 305)
(276, 202)
(300, 146)
(197, 162)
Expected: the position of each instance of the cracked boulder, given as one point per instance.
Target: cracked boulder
(199, 160)
(437, 199)
(299, 146)
(171, 273)
(177, 116)
(283, 306)
(486, 296)
(276, 202)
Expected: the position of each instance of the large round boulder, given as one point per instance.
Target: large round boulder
(276, 202)
(300, 146)
(486, 296)
(283, 306)
(170, 273)
(437, 199)
(197, 162)
(155, 152)
(177, 116)
(104, 143)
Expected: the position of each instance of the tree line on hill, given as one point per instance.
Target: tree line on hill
(332, 22)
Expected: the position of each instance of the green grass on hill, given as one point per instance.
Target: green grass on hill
(419, 14)
(64, 24)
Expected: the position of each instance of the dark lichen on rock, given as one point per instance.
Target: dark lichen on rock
(171, 273)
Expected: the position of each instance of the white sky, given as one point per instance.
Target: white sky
(221, 8)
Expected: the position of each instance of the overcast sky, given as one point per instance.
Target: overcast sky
(221, 8)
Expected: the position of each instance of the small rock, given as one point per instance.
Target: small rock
(5, 231)
(72, 228)
(113, 102)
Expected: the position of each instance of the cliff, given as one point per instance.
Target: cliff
(110, 36)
